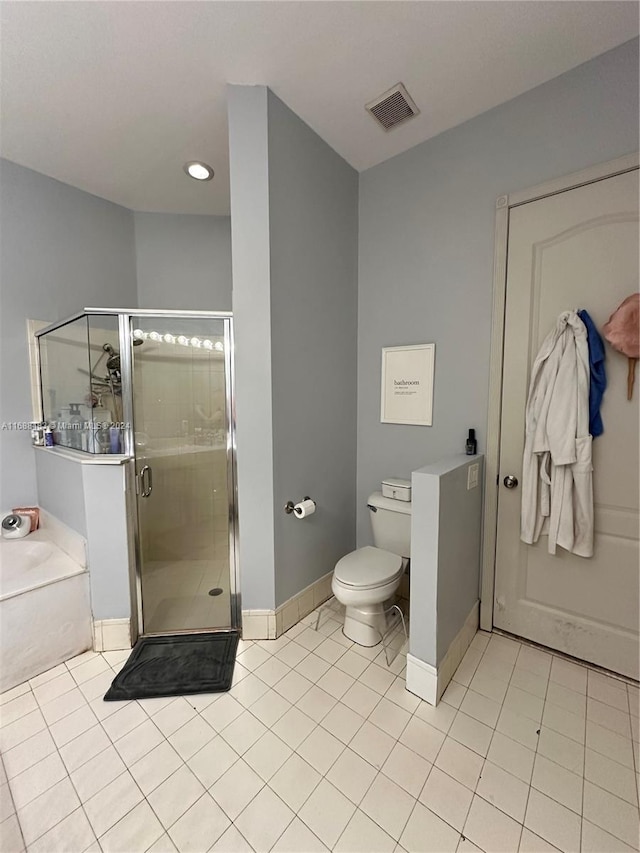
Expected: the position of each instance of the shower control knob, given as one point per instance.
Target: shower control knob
(510, 481)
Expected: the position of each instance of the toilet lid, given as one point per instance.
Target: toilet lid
(368, 567)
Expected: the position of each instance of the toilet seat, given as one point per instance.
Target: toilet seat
(368, 568)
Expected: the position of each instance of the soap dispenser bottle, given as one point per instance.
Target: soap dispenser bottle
(471, 446)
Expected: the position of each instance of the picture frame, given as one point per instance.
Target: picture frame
(406, 385)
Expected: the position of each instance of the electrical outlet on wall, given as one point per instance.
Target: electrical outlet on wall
(472, 476)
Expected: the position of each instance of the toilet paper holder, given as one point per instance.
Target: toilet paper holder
(288, 507)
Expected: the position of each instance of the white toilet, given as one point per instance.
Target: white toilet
(364, 579)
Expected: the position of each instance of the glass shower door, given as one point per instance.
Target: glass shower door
(184, 476)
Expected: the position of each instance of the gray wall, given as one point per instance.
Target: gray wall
(183, 261)
(313, 215)
(426, 248)
(249, 178)
(107, 544)
(61, 249)
(60, 489)
(445, 553)
(294, 226)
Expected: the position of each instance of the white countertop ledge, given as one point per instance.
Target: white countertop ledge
(85, 458)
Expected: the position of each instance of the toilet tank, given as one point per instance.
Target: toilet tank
(391, 523)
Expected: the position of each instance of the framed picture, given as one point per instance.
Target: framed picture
(406, 395)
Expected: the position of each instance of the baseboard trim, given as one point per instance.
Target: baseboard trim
(111, 635)
(269, 624)
(428, 682)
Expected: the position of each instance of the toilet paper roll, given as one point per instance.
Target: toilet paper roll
(304, 508)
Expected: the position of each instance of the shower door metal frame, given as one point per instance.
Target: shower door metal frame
(125, 317)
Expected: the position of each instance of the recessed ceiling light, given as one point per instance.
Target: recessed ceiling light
(198, 171)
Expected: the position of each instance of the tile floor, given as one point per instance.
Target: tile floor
(318, 746)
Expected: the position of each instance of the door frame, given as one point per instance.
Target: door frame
(125, 317)
(504, 204)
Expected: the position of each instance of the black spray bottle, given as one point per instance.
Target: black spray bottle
(472, 445)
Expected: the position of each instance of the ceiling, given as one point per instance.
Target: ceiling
(114, 97)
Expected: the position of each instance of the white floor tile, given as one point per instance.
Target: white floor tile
(267, 755)
(377, 678)
(534, 660)
(72, 834)
(566, 698)
(556, 782)
(596, 840)
(11, 836)
(175, 795)
(481, 708)
(212, 761)
(389, 717)
(174, 716)
(236, 788)
(293, 686)
(399, 694)
(295, 781)
(137, 830)
(454, 694)
(460, 762)
(312, 667)
(200, 826)
(21, 730)
(320, 749)
(564, 751)
(519, 728)
(352, 775)
(490, 828)
(504, 791)
(342, 722)
(57, 709)
(330, 651)
(316, 703)
(612, 814)
(529, 682)
(447, 798)
(374, 745)
(553, 822)
(425, 832)
(52, 689)
(136, 744)
(511, 756)
(296, 838)
(124, 720)
(362, 835)
(611, 776)
(439, 716)
(486, 683)
(407, 769)
(222, 712)
(269, 673)
(191, 737)
(243, 732)
(43, 813)
(96, 773)
(609, 743)
(335, 682)
(608, 717)
(7, 807)
(264, 820)
(327, 813)
(29, 752)
(569, 674)
(18, 708)
(154, 767)
(232, 841)
(471, 733)
(292, 654)
(270, 707)
(532, 843)
(253, 657)
(111, 803)
(361, 699)
(294, 727)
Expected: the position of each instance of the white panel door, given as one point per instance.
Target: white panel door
(576, 249)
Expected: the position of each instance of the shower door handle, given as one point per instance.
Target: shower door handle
(146, 482)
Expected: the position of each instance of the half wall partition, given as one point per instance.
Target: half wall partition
(157, 388)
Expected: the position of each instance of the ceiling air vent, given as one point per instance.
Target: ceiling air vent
(393, 107)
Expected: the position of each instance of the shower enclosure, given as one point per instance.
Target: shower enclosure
(156, 388)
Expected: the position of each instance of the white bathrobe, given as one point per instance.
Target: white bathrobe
(557, 487)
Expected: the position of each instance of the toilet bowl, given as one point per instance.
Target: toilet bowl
(364, 580)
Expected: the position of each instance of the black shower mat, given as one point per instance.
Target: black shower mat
(175, 665)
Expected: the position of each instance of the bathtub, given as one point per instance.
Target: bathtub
(45, 610)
